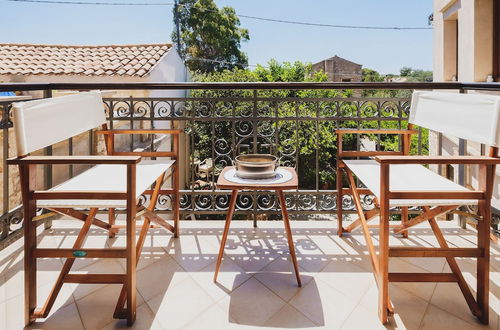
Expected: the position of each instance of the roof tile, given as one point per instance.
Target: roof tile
(109, 60)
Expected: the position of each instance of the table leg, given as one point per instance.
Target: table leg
(229, 217)
(288, 230)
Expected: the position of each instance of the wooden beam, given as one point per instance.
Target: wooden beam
(88, 253)
(368, 153)
(369, 215)
(410, 252)
(429, 214)
(436, 195)
(95, 278)
(422, 277)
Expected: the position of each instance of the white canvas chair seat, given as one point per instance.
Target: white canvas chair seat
(407, 177)
(101, 178)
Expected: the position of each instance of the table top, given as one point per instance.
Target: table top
(223, 183)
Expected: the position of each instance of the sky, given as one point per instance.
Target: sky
(383, 50)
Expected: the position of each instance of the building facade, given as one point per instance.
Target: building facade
(339, 69)
(81, 64)
(466, 48)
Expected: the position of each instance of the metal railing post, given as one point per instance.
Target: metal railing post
(47, 172)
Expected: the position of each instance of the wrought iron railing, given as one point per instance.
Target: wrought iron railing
(294, 121)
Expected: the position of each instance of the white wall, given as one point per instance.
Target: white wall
(475, 63)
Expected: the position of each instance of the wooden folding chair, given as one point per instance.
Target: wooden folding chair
(116, 181)
(399, 180)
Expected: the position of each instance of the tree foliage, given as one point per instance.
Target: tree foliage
(416, 75)
(209, 37)
(308, 138)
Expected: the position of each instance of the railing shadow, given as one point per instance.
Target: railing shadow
(244, 246)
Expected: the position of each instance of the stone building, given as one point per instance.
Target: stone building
(339, 69)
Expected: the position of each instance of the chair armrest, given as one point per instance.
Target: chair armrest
(376, 131)
(437, 160)
(139, 131)
(87, 160)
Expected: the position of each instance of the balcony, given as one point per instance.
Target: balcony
(255, 289)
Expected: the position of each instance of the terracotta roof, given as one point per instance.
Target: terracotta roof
(108, 60)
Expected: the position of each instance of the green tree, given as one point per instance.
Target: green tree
(209, 37)
(405, 71)
(302, 136)
(370, 75)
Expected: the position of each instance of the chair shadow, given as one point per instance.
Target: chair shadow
(245, 311)
(272, 238)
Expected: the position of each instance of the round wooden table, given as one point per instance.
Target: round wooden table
(223, 183)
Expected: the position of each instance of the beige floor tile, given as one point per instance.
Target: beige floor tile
(449, 298)
(347, 277)
(153, 249)
(409, 309)
(145, 319)
(436, 318)
(3, 315)
(180, 305)
(102, 266)
(14, 306)
(279, 277)
(365, 318)
(65, 238)
(212, 318)
(96, 309)
(47, 273)
(422, 290)
(64, 318)
(251, 304)
(323, 305)
(255, 272)
(230, 277)
(432, 265)
(250, 251)
(14, 311)
(289, 317)
(2, 288)
(159, 277)
(191, 252)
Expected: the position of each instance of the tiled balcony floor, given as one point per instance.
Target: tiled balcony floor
(256, 288)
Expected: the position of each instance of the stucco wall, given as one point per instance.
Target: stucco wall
(475, 63)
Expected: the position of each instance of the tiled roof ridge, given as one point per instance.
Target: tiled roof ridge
(136, 60)
(169, 44)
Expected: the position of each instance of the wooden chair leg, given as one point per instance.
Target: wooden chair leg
(486, 178)
(288, 230)
(229, 217)
(404, 220)
(131, 247)
(27, 178)
(176, 200)
(340, 228)
(383, 301)
(112, 218)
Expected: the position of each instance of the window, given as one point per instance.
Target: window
(496, 40)
(346, 79)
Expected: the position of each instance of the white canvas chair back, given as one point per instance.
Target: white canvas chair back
(474, 117)
(44, 122)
